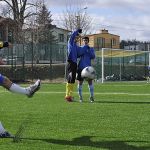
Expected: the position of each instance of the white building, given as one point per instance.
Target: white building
(140, 46)
(62, 35)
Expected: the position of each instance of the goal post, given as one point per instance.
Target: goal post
(121, 65)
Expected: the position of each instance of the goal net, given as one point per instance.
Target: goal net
(121, 65)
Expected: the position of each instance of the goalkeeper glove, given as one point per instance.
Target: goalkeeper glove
(80, 30)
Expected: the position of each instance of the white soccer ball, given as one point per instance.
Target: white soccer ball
(88, 73)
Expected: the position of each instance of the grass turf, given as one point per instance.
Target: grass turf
(117, 120)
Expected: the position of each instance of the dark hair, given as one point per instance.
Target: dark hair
(86, 38)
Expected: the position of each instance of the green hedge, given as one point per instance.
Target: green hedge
(28, 72)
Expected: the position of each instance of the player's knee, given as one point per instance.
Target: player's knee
(90, 82)
(7, 83)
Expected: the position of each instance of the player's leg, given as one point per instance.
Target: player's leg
(72, 77)
(67, 96)
(3, 132)
(148, 79)
(91, 90)
(79, 87)
(80, 91)
(29, 91)
(72, 67)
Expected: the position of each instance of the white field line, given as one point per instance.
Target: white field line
(127, 85)
(96, 93)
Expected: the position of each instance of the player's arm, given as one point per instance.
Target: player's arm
(73, 36)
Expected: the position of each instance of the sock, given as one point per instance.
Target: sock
(67, 89)
(2, 130)
(71, 89)
(91, 90)
(80, 90)
(18, 89)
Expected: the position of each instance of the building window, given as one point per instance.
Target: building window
(114, 42)
(100, 42)
(61, 37)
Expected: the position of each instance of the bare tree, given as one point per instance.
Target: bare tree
(6, 11)
(76, 16)
(19, 10)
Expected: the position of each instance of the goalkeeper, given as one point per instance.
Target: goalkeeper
(73, 52)
(9, 85)
(85, 60)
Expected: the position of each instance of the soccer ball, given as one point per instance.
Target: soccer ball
(88, 73)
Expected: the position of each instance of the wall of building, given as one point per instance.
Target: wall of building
(104, 40)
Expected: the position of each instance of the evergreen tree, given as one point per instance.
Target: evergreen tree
(44, 23)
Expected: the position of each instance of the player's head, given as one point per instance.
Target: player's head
(85, 40)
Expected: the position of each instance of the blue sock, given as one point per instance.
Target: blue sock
(80, 90)
(91, 90)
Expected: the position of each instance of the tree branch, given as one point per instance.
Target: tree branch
(7, 3)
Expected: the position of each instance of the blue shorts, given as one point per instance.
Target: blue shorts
(1, 79)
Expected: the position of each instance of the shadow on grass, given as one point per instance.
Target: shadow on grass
(119, 102)
(86, 141)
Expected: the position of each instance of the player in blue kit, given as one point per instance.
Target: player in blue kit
(73, 53)
(85, 60)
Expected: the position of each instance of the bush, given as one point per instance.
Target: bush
(28, 72)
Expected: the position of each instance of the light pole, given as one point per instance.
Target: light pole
(78, 17)
(79, 20)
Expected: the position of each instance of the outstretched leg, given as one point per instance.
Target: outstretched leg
(4, 133)
(15, 88)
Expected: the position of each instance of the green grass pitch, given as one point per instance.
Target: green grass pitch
(119, 119)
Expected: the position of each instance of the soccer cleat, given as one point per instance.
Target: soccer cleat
(34, 88)
(69, 98)
(6, 135)
(80, 99)
(91, 99)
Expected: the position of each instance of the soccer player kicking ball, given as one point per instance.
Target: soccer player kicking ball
(85, 60)
(9, 85)
(73, 53)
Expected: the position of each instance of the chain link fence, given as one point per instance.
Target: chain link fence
(30, 61)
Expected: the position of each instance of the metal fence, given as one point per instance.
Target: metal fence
(22, 61)
(32, 55)
(35, 53)
(122, 65)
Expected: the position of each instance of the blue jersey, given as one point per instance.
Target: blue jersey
(3, 44)
(1, 79)
(73, 48)
(85, 59)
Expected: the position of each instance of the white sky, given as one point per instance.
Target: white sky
(128, 18)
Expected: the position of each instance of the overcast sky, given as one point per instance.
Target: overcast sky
(130, 19)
